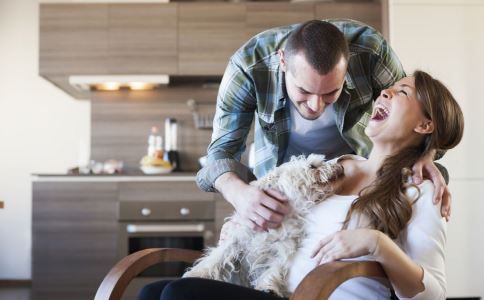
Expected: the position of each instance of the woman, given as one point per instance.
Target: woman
(376, 212)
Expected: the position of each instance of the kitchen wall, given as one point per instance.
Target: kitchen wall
(41, 127)
(121, 122)
(445, 38)
(40, 130)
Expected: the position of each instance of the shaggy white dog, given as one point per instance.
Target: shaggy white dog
(260, 259)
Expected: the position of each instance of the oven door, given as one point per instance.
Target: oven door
(186, 235)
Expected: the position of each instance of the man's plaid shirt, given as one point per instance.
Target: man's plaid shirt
(253, 86)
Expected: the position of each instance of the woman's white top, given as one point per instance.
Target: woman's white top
(423, 241)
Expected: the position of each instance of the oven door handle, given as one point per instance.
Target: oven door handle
(137, 228)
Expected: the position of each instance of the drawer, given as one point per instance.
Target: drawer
(162, 191)
(166, 210)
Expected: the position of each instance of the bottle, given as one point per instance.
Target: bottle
(152, 141)
(171, 152)
(158, 147)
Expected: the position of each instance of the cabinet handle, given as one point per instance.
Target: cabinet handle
(145, 211)
(163, 228)
(184, 211)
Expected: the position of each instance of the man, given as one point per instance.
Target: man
(311, 88)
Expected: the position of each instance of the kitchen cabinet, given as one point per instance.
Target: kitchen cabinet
(370, 13)
(73, 39)
(264, 15)
(179, 191)
(78, 234)
(185, 38)
(97, 39)
(209, 33)
(74, 238)
(142, 38)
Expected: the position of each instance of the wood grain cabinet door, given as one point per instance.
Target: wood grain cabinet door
(265, 15)
(208, 34)
(74, 238)
(142, 38)
(73, 39)
(367, 12)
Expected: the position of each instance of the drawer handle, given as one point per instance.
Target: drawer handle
(164, 228)
(184, 211)
(145, 211)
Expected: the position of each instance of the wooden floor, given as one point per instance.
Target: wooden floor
(15, 293)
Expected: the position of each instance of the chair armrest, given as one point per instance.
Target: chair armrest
(321, 282)
(118, 278)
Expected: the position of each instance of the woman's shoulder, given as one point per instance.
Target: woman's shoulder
(423, 204)
(346, 157)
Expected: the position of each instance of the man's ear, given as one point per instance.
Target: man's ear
(425, 127)
(282, 60)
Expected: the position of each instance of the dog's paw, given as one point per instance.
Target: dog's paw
(274, 291)
(197, 272)
(273, 287)
(270, 284)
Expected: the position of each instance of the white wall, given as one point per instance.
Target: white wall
(445, 38)
(40, 129)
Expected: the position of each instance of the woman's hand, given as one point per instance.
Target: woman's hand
(425, 167)
(346, 244)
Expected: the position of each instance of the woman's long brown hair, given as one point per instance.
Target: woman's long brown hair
(385, 202)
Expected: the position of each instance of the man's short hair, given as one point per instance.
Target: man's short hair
(321, 42)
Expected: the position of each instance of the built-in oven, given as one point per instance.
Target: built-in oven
(164, 224)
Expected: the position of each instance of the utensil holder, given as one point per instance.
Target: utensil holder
(201, 120)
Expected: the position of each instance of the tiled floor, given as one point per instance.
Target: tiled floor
(15, 293)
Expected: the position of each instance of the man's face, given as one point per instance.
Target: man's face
(309, 91)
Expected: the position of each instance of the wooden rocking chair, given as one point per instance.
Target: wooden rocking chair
(317, 285)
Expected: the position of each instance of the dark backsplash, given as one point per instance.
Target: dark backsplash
(121, 122)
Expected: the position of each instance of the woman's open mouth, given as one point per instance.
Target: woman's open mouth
(380, 113)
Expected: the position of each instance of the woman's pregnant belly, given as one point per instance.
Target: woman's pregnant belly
(325, 219)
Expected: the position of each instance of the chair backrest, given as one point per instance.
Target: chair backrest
(118, 278)
(321, 282)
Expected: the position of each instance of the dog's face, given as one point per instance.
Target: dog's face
(301, 177)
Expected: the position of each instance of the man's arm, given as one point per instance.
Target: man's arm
(425, 167)
(386, 69)
(236, 105)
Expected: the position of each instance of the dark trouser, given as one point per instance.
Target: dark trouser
(200, 289)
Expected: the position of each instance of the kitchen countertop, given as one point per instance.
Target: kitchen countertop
(135, 176)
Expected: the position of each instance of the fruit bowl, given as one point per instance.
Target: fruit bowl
(155, 165)
(155, 170)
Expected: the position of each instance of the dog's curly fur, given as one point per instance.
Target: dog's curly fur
(260, 259)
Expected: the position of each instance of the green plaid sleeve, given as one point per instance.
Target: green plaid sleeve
(387, 69)
(236, 104)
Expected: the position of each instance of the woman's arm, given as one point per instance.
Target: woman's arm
(405, 275)
(424, 243)
(418, 268)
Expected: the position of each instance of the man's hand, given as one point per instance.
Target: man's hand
(425, 167)
(260, 210)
